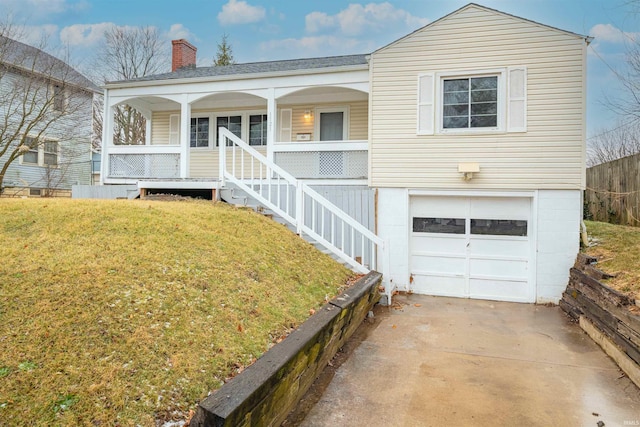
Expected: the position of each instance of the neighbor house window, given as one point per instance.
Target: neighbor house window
(50, 153)
(258, 129)
(199, 132)
(30, 156)
(59, 98)
(233, 123)
(470, 102)
(41, 154)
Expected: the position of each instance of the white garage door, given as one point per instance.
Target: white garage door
(472, 247)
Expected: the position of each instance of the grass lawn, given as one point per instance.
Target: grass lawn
(617, 248)
(131, 312)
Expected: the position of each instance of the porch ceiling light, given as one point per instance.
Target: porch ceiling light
(467, 170)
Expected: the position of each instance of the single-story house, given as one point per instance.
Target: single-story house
(452, 160)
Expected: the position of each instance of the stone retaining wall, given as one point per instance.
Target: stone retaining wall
(265, 392)
(605, 315)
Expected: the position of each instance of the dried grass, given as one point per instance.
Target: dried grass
(617, 248)
(130, 312)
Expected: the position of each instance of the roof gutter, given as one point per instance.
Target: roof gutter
(244, 76)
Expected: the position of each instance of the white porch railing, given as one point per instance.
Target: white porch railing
(144, 161)
(296, 202)
(321, 160)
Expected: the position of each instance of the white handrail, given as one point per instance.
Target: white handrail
(323, 229)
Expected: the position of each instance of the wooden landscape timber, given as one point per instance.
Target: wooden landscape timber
(604, 314)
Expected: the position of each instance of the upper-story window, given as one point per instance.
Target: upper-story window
(470, 102)
(199, 132)
(59, 98)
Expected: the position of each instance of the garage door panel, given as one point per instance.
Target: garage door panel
(437, 244)
(499, 268)
(438, 264)
(439, 285)
(501, 290)
(488, 258)
(501, 247)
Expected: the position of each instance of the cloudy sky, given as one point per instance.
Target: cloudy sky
(266, 30)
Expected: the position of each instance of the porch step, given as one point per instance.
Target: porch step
(133, 194)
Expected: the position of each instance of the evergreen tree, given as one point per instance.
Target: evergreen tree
(224, 56)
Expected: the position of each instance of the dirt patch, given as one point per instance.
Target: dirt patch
(315, 392)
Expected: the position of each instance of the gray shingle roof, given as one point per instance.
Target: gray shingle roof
(31, 59)
(258, 67)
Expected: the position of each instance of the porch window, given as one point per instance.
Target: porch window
(233, 123)
(331, 123)
(258, 129)
(470, 103)
(331, 126)
(199, 132)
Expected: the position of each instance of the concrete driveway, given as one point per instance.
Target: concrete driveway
(434, 361)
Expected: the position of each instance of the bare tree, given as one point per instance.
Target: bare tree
(128, 53)
(224, 56)
(40, 98)
(610, 144)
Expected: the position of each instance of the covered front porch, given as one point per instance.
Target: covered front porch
(315, 127)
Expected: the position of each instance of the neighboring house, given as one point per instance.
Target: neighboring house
(469, 133)
(46, 107)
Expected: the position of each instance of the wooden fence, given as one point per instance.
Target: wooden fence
(613, 191)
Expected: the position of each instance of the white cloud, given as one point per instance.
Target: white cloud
(312, 46)
(40, 8)
(240, 12)
(316, 21)
(84, 34)
(609, 33)
(36, 35)
(357, 19)
(179, 31)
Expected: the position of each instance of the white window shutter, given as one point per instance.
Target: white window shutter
(285, 125)
(426, 103)
(517, 96)
(174, 129)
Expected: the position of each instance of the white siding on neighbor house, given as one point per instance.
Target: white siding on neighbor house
(73, 134)
(550, 154)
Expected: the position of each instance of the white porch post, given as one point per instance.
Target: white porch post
(272, 121)
(185, 126)
(107, 137)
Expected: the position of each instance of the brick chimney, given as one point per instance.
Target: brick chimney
(183, 54)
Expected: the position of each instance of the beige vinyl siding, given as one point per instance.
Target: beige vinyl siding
(160, 127)
(358, 119)
(550, 154)
(204, 163)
